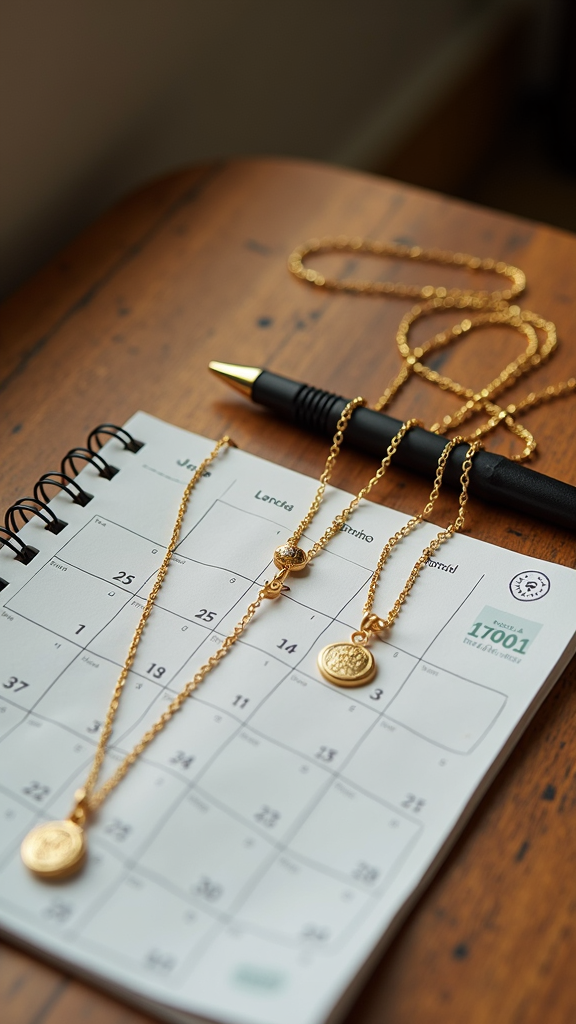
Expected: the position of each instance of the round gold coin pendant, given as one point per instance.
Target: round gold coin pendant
(288, 556)
(347, 664)
(55, 849)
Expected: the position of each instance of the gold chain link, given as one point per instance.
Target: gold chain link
(342, 243)
(374, 624)
(339, 520)
(493, 307)
(88, 799)
(328, 468)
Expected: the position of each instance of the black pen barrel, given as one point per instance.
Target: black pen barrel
(494, 478)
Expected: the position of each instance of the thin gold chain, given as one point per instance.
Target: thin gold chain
(93, 801)
(339, 520)
(494, 309)
(89, 798)
(343, 422)
(417, 254)
(535, 354)
(372, 623)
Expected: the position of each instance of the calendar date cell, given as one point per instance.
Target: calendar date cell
(69, 602)
(353, 834)
(167, 642)
(113, 553)
(201, 594)
(246, 778)
(55, 908)
(306, 906)
(188, 742)
(123, 823)
(234, 540)
(80, 697)
(32, 657)
(321, 723)
(239, 683)
(43, 758)
(212, 854)
(123, 923)
(407, 771)
(282, 628)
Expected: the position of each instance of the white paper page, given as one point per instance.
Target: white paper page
(256, 853)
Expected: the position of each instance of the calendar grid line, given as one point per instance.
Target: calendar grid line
(455, 612)
(79, 568)
(129, 864)
(336, 774)
(278, 822)
(113, 522)
(205, 514)
(291, 668)
(441, 746)
(196, 782)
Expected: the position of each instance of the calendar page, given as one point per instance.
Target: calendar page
(268, 839)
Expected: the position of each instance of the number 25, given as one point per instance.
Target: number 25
(124, 578)
(205, 615)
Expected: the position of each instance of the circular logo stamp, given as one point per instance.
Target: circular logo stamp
(530, 585)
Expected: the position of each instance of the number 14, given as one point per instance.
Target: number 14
(285, 646)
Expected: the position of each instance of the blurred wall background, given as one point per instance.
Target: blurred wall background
(97, 96)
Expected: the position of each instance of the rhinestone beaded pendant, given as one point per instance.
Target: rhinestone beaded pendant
(290, 557)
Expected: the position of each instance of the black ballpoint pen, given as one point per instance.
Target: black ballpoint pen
(494, 478)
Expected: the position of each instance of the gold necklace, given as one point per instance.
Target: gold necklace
(351, 663)
(417, 254)
(57, 849)
(433, 299)
(535, 353)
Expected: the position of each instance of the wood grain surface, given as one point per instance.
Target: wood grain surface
(193, 268)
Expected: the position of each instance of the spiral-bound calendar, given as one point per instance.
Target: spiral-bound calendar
(265, 845)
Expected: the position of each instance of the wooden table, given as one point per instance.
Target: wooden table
(193, 268)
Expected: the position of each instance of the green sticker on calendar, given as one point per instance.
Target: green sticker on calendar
(255, 976)
(502, 634)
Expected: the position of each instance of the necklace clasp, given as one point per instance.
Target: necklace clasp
(371, 623)
(273, 588)
(80, 810)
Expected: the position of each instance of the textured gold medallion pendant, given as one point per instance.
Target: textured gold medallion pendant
(54, 850)
(347, 664)
(288, 556)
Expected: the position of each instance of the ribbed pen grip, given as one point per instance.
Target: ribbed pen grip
(493, 478)
(317, 410)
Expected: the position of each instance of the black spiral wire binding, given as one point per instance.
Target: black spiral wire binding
(38, 508)
(64, 483)
(37, 505)
(104, 468)
(22, 552)
(111, 430)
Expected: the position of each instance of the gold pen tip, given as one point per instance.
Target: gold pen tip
(239, 377)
